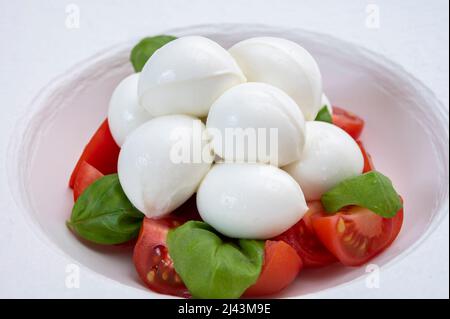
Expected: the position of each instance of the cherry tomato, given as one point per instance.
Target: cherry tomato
(87, 174)
(151, 257)
(348, 121)
(356, 235)
(368, 163)
(101, 152)
(152, 260)
(303, 239)
(281, 266)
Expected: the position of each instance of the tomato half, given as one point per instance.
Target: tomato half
(348, 121)
(281, 266)
(151, 257)
(303, 239)
(101, 152)
(152, 260)
(87, 174)
(368, 163)
(356, 235)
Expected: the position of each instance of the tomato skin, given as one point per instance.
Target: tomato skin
(303, 239)
(101, 152)
(87, 174)
(151, 253)
(357, 235)
(368, 163)
(280, 268)
(348, 121)
(152, 260)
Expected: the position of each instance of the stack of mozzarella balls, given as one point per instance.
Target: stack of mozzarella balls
(261, 82)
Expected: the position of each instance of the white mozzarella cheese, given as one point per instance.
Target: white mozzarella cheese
(185, 76)
(124, 113)
(153, 177)
(330, 156)
(284, 64)
(254, 201)
(257, 108)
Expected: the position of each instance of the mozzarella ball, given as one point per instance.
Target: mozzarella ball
(153, 174)
(329, 157)
(326, 102)
(257, 108)
(284, 64)
(124, 113)
(254, 201)
(185, 76)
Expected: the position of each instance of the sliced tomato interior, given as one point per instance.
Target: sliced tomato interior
(356, 235)
(87, 174)
(151, 257)
(303, 239)
(348, 121)
(152, 260)
(101, 152)
(281, 266)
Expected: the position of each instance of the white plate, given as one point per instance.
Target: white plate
(406, 132)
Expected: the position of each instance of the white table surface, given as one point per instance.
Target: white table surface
(37, 46)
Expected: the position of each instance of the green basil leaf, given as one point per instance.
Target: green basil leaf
(371, 190)
(210, 267)
(324, 115)
(104, 215)
(145, 49)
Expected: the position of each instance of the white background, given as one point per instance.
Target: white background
(36, 46)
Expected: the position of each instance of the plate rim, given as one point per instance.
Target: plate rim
(17, 141)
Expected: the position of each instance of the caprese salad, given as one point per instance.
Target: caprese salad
(231, 222)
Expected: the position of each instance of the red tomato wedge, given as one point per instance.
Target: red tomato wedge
(281, 266)
(87, 174)
(368, 163)
(152, 260)
(356, 235)
(101, 152)
(348, 121)
(303, 239)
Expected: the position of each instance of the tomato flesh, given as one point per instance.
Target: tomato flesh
(348, 121)
(368, 163)
(303, 239)
(101, 152)
(152, 260)
(151, 257)
(356, 235)
(87, 174)
(280, 268)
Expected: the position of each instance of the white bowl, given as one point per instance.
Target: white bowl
(406, 132)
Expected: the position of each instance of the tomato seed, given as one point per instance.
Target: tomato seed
(363, 245)
(151, 275)
(341, 226)
(348, 238)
